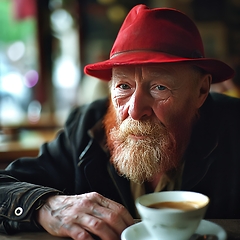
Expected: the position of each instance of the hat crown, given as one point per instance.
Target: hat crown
(156, 36)
(158, 30)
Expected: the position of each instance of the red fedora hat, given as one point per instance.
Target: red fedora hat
(160, 35)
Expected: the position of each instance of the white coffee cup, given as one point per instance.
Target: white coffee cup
(172, 223)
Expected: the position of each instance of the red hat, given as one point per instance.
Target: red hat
(160, 35)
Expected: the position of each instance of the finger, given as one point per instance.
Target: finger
(75, 232)
(105, 214)
(112, 218)
(98, 227)
(114, 214)
(93, 200)
(117, 208)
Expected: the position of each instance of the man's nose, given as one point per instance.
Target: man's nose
(140, 105)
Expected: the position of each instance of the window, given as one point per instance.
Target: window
(18, 62)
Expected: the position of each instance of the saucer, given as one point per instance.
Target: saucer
(139, 232)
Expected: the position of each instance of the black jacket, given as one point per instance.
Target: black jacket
(75, 163)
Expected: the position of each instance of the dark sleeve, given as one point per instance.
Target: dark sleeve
(27, 182)
(18, 204)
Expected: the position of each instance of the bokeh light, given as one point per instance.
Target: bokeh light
(31, 78)
(16, 51)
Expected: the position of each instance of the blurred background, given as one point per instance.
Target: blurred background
(45, 44)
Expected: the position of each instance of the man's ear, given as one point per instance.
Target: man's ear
(204, 88)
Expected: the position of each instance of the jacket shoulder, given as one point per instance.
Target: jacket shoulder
(225, 100)
(226, 105)
(80, 121)
(87, 115)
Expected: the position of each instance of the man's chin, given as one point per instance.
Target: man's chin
(138, 172)
(142, 164)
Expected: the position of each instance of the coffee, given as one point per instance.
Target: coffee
(182, 205)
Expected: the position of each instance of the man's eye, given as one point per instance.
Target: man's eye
(124, 86)
(161, 87)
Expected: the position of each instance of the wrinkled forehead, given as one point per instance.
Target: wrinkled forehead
(153, 70)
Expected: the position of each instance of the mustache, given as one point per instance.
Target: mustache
(141, 128)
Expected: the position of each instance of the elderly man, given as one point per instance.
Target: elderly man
(160, 130)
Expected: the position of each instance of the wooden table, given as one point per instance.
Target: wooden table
(24, 139)
(31, 236)
(232, 226)
(26, 146)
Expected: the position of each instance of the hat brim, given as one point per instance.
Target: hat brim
(103, 70)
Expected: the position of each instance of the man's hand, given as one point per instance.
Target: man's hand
(77, 216)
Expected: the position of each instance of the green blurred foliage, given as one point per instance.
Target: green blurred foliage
(12, 29)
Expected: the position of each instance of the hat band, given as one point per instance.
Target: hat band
(195, 53)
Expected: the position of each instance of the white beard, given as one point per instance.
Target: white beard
(140, 159)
